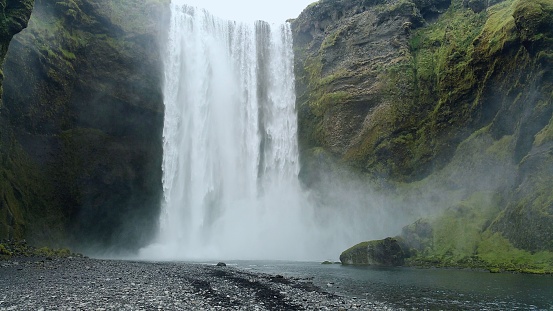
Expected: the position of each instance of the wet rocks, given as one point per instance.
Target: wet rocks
(388, 252)
(81, 283)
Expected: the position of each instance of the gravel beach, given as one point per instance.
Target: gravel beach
(92, 284)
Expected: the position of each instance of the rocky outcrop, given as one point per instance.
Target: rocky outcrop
(390, 252)
(14, 18)
(452, 97)
(344, 52)
(89, 122)
(380, 92)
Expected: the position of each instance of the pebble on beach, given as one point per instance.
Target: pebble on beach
(90, 284)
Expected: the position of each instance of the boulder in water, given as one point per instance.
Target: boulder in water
(388, 252)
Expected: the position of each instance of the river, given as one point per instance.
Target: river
(422, 289)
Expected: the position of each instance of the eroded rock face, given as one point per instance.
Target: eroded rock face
(393, 94)
(453, 92)
(90, 118)
(14, 17)
(343, 51)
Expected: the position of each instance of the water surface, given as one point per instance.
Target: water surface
(423, 289)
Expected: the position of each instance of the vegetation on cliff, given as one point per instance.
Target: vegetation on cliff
(84, 163)
(14, 17)
(18, 249)
(450, 98)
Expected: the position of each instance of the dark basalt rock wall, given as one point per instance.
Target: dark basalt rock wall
(14, 17)
(83, 99)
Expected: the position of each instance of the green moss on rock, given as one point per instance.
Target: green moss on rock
(88, 126)
(10, 249)
(464, 237)
(461, 104)
(387, 252)
(439, 83)
(14, 16)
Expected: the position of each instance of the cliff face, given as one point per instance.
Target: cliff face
(88, 124)
(393, 93)
(353, 90)
(14, 18)
(450, 94)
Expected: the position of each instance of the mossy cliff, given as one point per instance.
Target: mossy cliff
(83, 109)
(14, 17)
(454, 97)
(390, 252)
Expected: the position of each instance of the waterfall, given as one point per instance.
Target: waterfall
(230, 161)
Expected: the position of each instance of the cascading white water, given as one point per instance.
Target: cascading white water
(230, 148)
(230, 166)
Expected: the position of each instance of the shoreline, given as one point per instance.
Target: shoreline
(85, 283)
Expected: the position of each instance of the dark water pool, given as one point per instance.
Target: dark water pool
(423, 289)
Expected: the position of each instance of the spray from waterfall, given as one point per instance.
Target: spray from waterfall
(230, 167)
(230, 147)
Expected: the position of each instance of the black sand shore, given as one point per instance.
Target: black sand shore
(91, 284)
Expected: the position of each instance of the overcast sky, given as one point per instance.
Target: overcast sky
(276, 11)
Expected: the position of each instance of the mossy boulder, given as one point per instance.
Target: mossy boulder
(389, 252)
